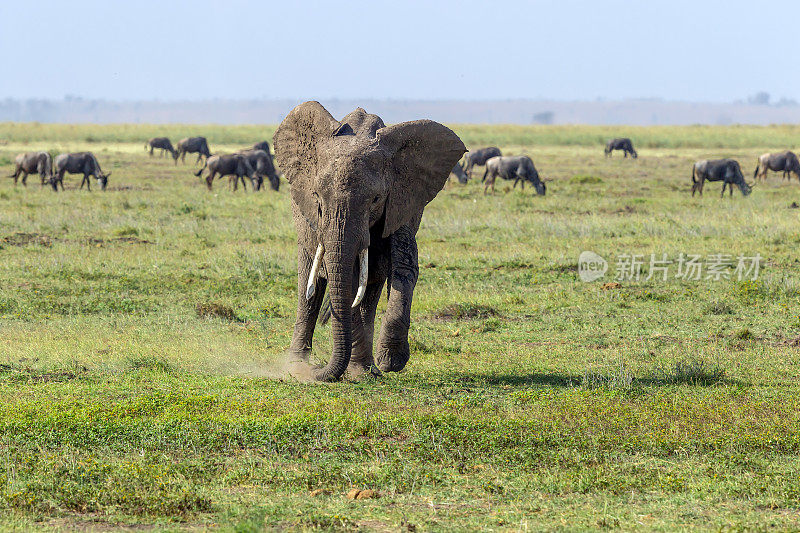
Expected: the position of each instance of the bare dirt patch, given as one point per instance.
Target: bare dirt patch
(22, 239)
(465, 311)
(215, 310)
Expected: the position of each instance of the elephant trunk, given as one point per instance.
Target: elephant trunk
(340, 265)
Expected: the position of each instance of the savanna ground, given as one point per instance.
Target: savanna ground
(142, 332)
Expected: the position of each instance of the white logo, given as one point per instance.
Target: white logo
(591, 266)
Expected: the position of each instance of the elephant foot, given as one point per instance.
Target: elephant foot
(393, 355)
(365, 368)
(305, 371)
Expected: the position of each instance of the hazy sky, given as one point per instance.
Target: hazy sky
(454, 49)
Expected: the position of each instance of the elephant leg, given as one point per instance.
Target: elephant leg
(307, 310)
(393, 349)
(361, 360)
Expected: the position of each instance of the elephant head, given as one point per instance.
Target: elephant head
(351, 179)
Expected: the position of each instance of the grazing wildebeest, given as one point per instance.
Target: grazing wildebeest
(517, 168)
(725, 170)
(263, 145)
(479, 157)
(458, 171)
(163, 144)
(777, 162)
(263, 166)
(234, 165)
(623, 144)
(192, 145)
(78, 163)
(33, 163)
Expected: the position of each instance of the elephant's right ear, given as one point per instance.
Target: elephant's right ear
(297, 142)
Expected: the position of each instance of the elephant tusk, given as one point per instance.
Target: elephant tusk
(363, 272)
(312, 276)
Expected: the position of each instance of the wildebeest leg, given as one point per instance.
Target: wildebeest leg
(88, 182)
(488, 180)
(724, 184)
(183, 157)
(210, 179)
(24, 178)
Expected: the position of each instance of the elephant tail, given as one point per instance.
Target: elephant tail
(325, 310)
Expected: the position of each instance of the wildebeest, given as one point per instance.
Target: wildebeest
(263, 166)
(517, 168)
(235, 165)
(781, 161)
(622, 143)
(33, 163)
(263, 145)
(727, 171)
(78, 163)
(458, 170)
(163, 144)
(193, 145)
(479, 157)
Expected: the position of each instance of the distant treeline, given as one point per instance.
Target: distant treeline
(785, 136)
(642, 112)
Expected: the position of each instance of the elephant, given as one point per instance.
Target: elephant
(358, 190)
(727, 171)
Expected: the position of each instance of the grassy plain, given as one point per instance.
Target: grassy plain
(533, 401)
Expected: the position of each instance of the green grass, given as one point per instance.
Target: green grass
(143, 330)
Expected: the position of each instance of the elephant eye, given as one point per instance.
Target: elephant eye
(376, 199)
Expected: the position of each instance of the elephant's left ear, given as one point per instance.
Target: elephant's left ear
(422, 154)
